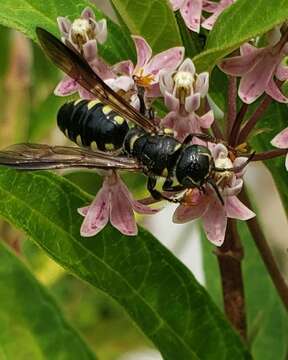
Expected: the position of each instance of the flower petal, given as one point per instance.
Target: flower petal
(273, 91)
(185, 213)
(176, 4)
(239, 65)
(254, 83)
(192, 102)
(66, 86)
(153, 91)
(144, 51)
(235, 209)
(281, 140)
(191, 12)
(210, 6)
(143, 209)
(188, 66)
(64, 25)
(171, 102)
(97, 215)
(206, 120)
(282, 72)
(209, 22)
(166, 82)
(215, 222)
(90, 50)
(124, 67)
(120, 83)
(234, 188)
(121, 212)
(85, 94)
(87, 13)
(202, 84)
(169, 59)
(101, 31)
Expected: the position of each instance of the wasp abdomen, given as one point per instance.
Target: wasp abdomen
(92, 124)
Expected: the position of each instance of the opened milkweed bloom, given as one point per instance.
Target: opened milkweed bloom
(258, 68)
(146, 72)
(208, 207)
(182, 91)
(281, 141)
(113, 202)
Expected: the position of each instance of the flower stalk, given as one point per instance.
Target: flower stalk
(229, 256)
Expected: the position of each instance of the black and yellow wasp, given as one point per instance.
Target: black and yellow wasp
(105, 140)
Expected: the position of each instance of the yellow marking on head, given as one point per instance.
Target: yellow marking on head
(168, 131)
(93, 146)
(109, 147)
(165, 172)
(66, 133)
(106, 109)
(76, 102)
(119, 119)
(93, 103)
(79, 140)
(132, 141)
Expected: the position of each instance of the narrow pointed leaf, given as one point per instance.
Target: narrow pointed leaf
(156, 290)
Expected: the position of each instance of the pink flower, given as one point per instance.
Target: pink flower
(191, 11)
(146, 72)
(83, 29)
(216, 9)
(84, 34)
(281, 141)
(182, 91)
(208, 206)
(258, 67)
(113, 202)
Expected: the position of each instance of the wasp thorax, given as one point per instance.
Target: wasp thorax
(183, 87)
(82, 30)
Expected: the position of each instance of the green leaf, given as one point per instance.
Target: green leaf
(267, 318)
(25, 15)
(273, 121)
(156, 289)
(243, 20)
(152, 19)
(31, 323)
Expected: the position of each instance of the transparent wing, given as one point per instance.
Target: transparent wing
(39, 156)
(74, 65)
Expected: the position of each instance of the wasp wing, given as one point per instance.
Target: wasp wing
(74, 65)
(40, 156)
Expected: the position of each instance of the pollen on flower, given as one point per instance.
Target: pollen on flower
(183, 85)
(81, 31)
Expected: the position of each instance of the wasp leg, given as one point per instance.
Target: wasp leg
(157, 194)
(215, 187)
(167, 186)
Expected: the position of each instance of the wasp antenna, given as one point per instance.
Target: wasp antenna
(216, 189)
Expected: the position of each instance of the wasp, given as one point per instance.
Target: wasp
(106, 141)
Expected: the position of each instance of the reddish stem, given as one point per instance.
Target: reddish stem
(237, 124)
(270, 154)
(230, 255)
(248, 127)
(232, 104)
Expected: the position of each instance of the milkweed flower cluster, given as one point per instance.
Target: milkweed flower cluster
(174, 79)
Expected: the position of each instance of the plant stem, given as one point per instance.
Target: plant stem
(266, 254)
(229, 257)
(237, 124)
(232, 104)
(253, 119)
(270, 154)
